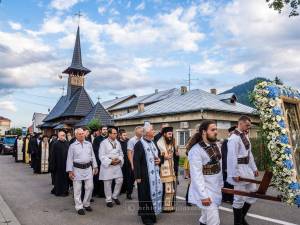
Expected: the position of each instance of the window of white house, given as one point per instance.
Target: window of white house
(183, 137)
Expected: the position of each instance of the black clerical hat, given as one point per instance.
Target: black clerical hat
(167, 129)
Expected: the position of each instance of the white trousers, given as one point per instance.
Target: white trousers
(88, 187)
(107, 189)
(210, 215)
(238, 200)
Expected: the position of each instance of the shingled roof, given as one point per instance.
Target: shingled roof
(76, 65)
(97, 112)
(191, 101)
(79, 105)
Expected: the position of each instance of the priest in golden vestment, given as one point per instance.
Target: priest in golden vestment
(169, 168)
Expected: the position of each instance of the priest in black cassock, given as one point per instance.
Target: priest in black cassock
(34, 151)
(58, 162)
(146, 163)
(128, 177)
(98, 184)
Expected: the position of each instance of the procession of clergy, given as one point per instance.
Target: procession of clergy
(105, 163)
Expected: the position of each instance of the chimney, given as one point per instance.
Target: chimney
(141, 107)
(213, 91)
(156, 91)
(183, 90)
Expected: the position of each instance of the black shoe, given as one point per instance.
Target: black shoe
(109, 204)
(117, 201)
(202, 223)
(89, 209)
(81, 212)
(245, 210)
(129, 196)
(238, 216)
(92, 200)
(189, 204)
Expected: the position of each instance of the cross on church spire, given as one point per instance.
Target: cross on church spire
(79, 15)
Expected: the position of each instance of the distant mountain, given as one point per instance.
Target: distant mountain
(242, 91)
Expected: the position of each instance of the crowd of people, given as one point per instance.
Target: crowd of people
(105, 163)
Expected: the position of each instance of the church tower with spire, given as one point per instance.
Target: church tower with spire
(76, 70)
(76, 109)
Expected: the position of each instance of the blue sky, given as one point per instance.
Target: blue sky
(139, 46)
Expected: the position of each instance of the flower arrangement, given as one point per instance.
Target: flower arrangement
(266, 96)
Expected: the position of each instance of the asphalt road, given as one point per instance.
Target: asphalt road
(29, 198)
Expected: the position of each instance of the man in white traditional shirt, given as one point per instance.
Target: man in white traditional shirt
(131, 143)
(111, 157)
(240, 163)
(205, 171)
(81, 166)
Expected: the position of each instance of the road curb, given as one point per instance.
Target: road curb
(7, 217)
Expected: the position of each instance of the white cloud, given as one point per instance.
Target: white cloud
(8, 106)
(14, 25)
(63, 4)
(207, 8)
(19, 42)
(141, 6)
(101, 10)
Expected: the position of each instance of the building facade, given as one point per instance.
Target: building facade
(4, 125)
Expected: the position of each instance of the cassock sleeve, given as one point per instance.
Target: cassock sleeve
(121, 155)
(176, 163)
(105, 160)
(197, 178)
(137, 158)
(232, 155)
(70, 157)
(224, 155)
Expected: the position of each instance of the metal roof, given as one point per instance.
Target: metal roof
(78, 105)
(226, 96)
(146, 99)
(114, 102)
(191, 101)
(97, 112)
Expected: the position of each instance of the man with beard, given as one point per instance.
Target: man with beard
(98, 184)
(58, 161)
(128, 177)
(112, 159)
(240, 163)
(205, 171)
(169, 168)
(146, 171)
(159, 134)
(81, 166)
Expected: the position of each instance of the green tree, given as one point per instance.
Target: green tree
(278, 6)
(94, 124)
(15, 131)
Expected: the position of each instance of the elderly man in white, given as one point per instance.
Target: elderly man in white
(206, 175)
(112, 159)
(81, 165)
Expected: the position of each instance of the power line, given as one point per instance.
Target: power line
(30, 102)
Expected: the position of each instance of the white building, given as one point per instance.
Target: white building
(37, 120)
